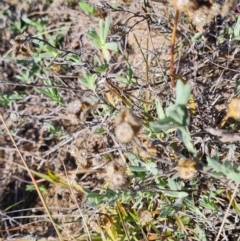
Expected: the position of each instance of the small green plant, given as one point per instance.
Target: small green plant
(30, 188)
(6, 99)
(87, 8)
(102, 66)
(176, 116)
(100, 41)
(55, 132)
(39, 24)
(223, 169)
(89, 81)
(235, 31)
(15, 24)
(24, 76)
(51, 91)
(138, 165)
(127, 77)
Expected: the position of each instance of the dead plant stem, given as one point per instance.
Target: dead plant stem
(33, 180)
(173, 48)
(226, 213)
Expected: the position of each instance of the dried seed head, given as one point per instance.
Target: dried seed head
(118, 180)
(73, 118)
(182, 5)
(124, 132)
(87, 106)
(22, 47)
(145, 216)
(187, 169)
(203, 13)
(74, 106)
(128, 125)
(14, 117)
(110, 169)
(126, 115)
(234, 108)
(55, 68)
(78, 111)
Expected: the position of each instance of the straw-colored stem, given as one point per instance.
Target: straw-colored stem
(173, 47)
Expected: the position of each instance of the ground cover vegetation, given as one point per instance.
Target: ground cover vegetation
(119, 120)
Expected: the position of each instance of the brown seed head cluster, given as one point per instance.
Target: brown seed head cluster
(22, 47)
(187, 169)
(78, 110)
(128, 125)
(234, 108)
(202, 12)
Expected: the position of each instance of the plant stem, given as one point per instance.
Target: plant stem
(173, 84)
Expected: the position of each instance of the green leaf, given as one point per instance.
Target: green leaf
(237, 28)
(89, 81)
(163, 125)
(151, 167)
(196, 37)
(178, 113)
(160, 111)
(102, 67)
(183, 92)
(122, 79)
(100, 131)
(74, 58)
(28, 21)
(172, 184)
(50, 92)
(132, 158)
(52, 51)
(236, 38)
(225, 169)
(104, 28)
(137, 168)
(230, 31)
(177, 194)
(192, 207)
(5, 99)
(92, 34)
(37, 24)
(201, 234)
(30, 187)
(184, 135)
(112, 46)
(88, 9)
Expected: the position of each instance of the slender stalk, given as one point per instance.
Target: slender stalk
(33, 180)
(173, 84)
